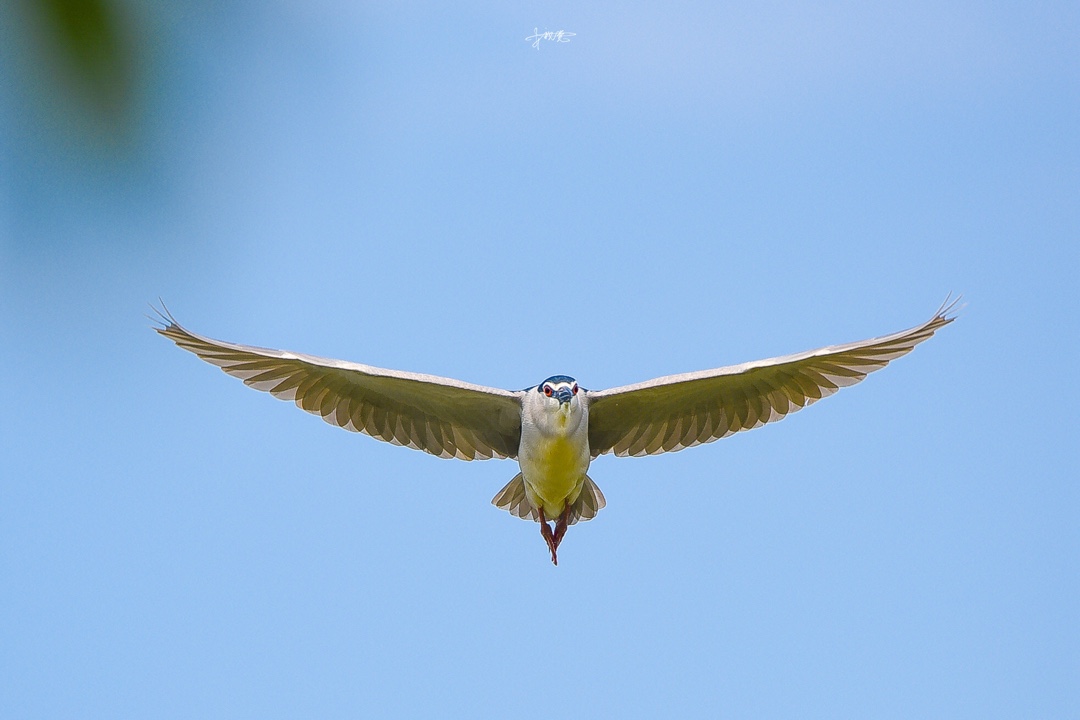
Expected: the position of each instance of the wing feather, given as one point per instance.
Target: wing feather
(441, 416)
(680, 411)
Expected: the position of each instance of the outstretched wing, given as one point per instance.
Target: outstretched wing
(681, 411)
(444, 417)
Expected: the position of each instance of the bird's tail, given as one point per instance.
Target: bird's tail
(588, 503)
(515, 501)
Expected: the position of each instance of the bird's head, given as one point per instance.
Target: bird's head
(556, 406)
(560, 392)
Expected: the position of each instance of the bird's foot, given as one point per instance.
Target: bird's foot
(549, 538)
(561, 525)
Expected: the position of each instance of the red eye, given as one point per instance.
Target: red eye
(575, 389)
(548, 391)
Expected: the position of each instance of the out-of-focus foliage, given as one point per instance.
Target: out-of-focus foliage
(81, 60)
(88, 34)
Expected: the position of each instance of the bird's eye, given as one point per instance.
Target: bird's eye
(574, 389)
(548, 391)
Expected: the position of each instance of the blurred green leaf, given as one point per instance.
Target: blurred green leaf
(93, 46)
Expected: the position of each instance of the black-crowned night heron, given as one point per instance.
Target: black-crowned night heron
(556, 428)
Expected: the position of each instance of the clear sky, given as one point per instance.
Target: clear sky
(680, 186)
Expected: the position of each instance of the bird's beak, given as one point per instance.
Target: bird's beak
(564, 396)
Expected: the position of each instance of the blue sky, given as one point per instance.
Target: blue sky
(678, 187)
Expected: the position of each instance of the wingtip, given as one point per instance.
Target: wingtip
(162, 318)
(950, 309)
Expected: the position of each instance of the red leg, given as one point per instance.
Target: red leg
(545, 530)
(561, 525)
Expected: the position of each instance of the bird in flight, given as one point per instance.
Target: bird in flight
(556, 428)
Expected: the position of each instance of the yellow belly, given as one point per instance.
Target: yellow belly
(554, 474)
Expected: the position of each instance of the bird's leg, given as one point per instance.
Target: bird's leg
(561, 524)
(545, 530)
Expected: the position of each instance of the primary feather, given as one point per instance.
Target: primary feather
(441, 416)
(680, 411)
